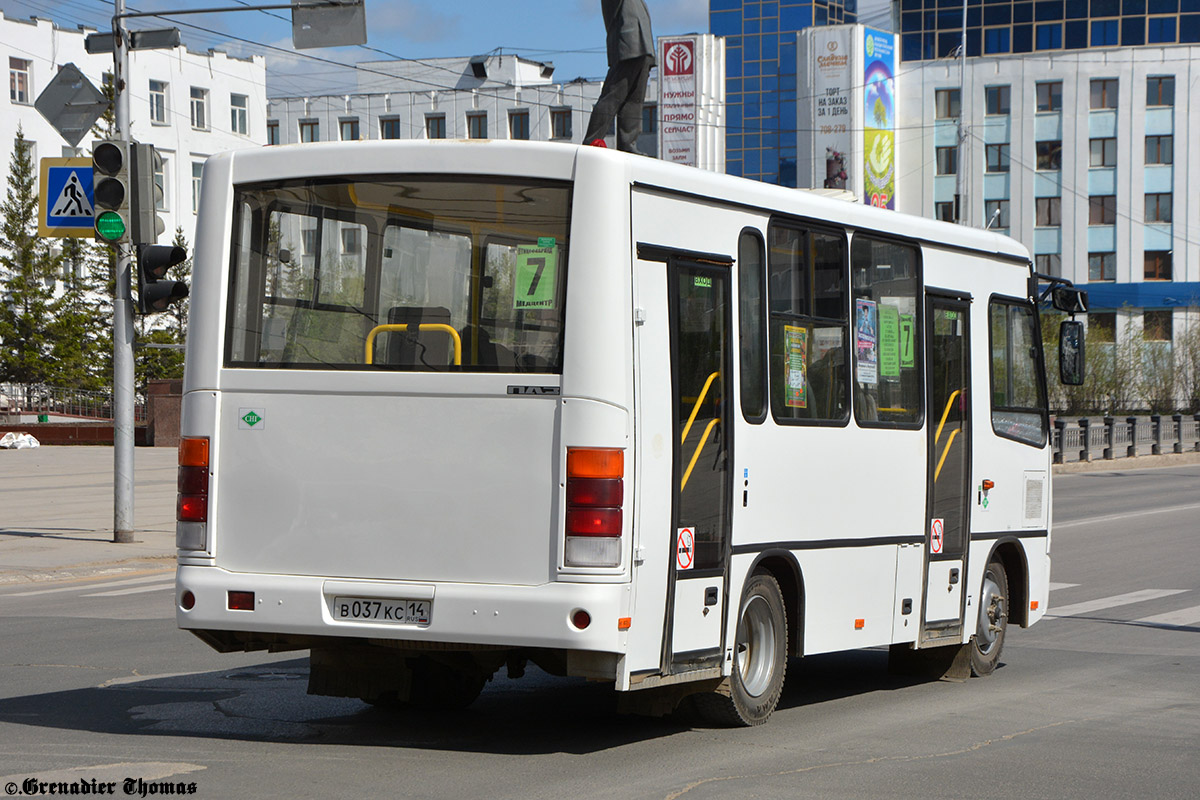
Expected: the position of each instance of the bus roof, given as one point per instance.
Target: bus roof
(551, 160)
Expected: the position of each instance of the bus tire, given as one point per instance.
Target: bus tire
(752, 690)
(993, 620)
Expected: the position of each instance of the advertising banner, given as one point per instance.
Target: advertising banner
(879, 118)
(677, 100)
(831, 70)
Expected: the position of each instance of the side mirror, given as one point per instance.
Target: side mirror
(1069, 300)
(1070, 353)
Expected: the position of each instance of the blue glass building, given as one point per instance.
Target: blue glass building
(933, 28)
(760, 72)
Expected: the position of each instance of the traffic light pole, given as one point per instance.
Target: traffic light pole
(123, 373)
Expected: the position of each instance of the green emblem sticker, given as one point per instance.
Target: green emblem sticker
(251, 419)
(536, 277)
(546, 241)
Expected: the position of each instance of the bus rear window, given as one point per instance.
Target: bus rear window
(392, 274)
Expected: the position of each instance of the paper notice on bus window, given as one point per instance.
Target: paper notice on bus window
(536, 278)
(908, 337)
(795, 353)
(866, 340)
(889, 341)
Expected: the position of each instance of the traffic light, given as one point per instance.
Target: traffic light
(110, 190)
(155, 293)
(145, 225)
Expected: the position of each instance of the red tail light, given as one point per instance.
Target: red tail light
(595, 493)
(193, 480)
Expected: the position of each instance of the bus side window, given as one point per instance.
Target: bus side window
(807, 331)
(751, 330)
(887, 341)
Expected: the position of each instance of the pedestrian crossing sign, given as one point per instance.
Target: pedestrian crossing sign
(65, 203)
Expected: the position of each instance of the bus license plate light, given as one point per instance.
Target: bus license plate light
(389, 610)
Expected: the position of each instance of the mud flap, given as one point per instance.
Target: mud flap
(947, 663)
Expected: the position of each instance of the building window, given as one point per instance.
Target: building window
(18, 80)
(1048, 264)
(389, 128)
(1102, 209)
(997, 40)
(1160, 149)
(1102, 325)
(1158, 265)
(1049, 96)
(1156, 325)
(1158, 207)
(946, 103)
(199, 108)
(1160, 90)
(348, 129)
(197, 173)
(518, 124)
(158, 102)
(238, 113)
(351, 241)
(560, 123)
(1049, 212)
(947, 160)
(997, 157)
(1105, 32)
(1102, 266)
(477, 125)
(1049, 155)
(1103, 152)
(995, 214)
(273, 131)
(944, 211)
(1160, 30)
(310, 130)
(435, 126)
(161, 171)
(1104, 93)
(1049, 37)
(998, 99)
(650, 118)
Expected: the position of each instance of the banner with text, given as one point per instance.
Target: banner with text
(677, 100)
(832, 90)
(879, 118)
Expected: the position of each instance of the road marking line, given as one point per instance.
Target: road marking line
(85, 587)
(1054, 585)
(1131, 515)
(135, 590)
(1112, 602)
(1174, 619)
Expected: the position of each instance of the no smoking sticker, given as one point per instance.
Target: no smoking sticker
(936, 536)
(685, 548)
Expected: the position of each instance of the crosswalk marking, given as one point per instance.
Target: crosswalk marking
(1054, 586)
(1174, 619)
(1112, 602)
(136, 590)
(79, 587)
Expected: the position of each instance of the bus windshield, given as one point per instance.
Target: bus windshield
(428, 274)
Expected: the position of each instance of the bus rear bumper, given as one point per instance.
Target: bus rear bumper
(459, 613)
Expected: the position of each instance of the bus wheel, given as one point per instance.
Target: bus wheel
(760, 660)
(993, 620)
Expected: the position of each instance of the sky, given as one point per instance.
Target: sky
(568, 32)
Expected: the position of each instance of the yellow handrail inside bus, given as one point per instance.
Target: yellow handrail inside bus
(945, 414)
(696, 407)
(424, 326)
(945, 453)
(696, 455)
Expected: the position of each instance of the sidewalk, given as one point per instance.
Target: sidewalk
(56, 510)
(56, 513)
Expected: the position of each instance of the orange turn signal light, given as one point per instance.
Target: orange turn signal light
(193, 452)
(594, 462)
(624, 623)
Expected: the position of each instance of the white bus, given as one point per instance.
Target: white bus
(452, 407)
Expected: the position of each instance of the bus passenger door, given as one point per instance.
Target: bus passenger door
(949, 448)
(698, 297)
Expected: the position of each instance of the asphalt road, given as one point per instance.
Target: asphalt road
(1101, 701)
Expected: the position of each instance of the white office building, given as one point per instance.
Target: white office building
(188, 105)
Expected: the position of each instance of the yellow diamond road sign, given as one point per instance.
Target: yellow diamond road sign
(65, 206)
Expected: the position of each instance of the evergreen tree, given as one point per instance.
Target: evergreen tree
(28, 270)
(82, 330)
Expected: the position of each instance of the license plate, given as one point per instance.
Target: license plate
(399, 612)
